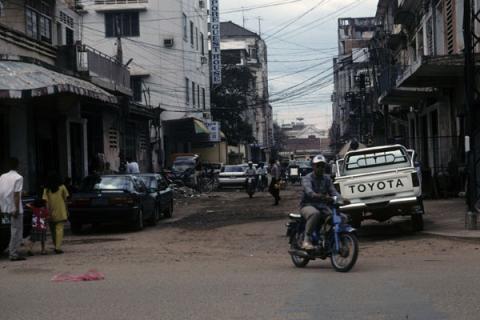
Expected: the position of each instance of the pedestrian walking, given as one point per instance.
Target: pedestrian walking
(55, 194)
(11, 186)
(39, 225)
(274, 187)
(132, 166)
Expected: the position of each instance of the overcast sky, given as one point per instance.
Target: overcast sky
(301, 37)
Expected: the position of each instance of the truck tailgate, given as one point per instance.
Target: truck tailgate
(376, 185)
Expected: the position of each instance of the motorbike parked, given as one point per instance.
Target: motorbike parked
(334, 239)
(251, 185)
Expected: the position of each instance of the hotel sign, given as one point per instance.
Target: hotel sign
(215, 45)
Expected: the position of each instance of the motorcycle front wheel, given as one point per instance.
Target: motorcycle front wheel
(346, 257)
(296, 244)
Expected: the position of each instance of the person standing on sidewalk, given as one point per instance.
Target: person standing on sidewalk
(274, 187)
(56, 195)
(11, 186)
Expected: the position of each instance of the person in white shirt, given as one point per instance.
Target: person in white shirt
(11, 185)
(132, 166)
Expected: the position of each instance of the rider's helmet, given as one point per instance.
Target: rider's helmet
(319, 158)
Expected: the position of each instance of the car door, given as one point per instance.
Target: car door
(165, 193)
(147, 200)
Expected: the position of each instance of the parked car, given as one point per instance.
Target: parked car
(111, 199)
(231, 176)
(381, 182)
(160, 191)
(183, 171)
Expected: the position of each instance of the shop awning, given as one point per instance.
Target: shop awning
(19, 80)
(200, 127)
(187, 129)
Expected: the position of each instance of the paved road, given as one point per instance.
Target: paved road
(217, 267)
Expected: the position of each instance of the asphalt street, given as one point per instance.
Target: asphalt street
(225, 257)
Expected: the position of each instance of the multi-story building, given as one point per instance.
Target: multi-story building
(61, 103)
(164, 43)
(243, 47)
(352, 106)
(418, 55)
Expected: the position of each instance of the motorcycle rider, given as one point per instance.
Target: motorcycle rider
(318, 191)
(262, 176)
(250, 173)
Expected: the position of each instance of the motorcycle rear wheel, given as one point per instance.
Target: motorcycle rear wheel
(345, 259)
(296, 244)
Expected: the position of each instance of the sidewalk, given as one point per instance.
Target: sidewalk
(446, 218)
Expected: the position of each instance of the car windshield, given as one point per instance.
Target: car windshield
(183, 165)
(232, 169)
(107, 183)
(149, 181)
(376, 158)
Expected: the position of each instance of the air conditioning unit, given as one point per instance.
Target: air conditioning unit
(203, 59)
(201, 4)
(168, 42)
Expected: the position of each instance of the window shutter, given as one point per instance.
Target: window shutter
(109, 23)
(449, 11)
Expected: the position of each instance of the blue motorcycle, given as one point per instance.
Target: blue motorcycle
(334, 239)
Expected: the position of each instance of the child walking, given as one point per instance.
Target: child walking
(39, 225)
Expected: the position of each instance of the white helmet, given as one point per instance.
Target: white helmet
(319, 158)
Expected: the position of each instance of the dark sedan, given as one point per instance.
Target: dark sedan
(159, 190)
(112, 199)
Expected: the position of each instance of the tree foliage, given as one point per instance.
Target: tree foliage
(229, 102)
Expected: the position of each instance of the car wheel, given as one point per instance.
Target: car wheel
(155, 216)
(138, 220)
(417, 222)
(76, 227)
(169, 212)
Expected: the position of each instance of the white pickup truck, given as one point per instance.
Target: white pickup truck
(381, 182)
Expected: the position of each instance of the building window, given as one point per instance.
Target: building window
(196, 38)
(202, 44)
(198, 95)
(185, 27)
(69, 36)
(203, 99)
(136, 86)
(187, 90)
(252, 52)
(122, 24)
(191, 33)
(38, 20)
(193, 94)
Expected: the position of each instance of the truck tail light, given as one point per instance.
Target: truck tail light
(415, 180)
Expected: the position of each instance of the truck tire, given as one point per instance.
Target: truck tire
(356, 221)
(417, 222)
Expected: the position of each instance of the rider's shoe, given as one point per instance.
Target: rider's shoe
(307, 245)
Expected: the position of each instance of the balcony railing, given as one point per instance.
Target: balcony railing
(101, 69)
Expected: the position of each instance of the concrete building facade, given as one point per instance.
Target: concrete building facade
(165, 44)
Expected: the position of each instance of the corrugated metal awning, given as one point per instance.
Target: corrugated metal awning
(25, 80)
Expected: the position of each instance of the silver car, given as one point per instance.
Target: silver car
(232, 176)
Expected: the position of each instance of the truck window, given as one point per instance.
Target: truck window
(375, 159)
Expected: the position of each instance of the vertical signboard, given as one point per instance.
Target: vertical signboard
(215, 46)
(214, 128)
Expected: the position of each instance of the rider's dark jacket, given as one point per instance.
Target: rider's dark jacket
(313, 184)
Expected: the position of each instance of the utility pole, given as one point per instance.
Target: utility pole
(259, 26)
(472, 97)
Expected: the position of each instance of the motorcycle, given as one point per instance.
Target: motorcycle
(334, 239)
(251, 186)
